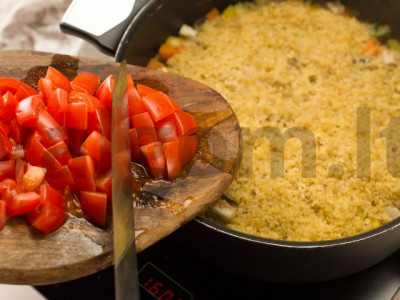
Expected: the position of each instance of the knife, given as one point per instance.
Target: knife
(125, 261)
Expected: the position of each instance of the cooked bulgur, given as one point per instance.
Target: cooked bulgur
(287, 64)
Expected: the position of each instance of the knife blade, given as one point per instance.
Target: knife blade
(125, 261)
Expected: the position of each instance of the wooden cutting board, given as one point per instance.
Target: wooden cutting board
(79, 248)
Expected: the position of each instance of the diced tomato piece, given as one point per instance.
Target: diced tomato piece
(92, 102)
(20, 168)
(30, 91)
(9, 85)
(7, 106)
(158, 105)
(75, 140)
(103, 124)
(49, 129)
(34, 135)
(154, 154)
(49, 194)
(86, 82)
(17, 132)
(33, 178)
(174, 104)
(105, 91)
(7, 169)
(83, 172)
(144, 90)
(22, 203)
(28, 109)
(4, 129)
(145, 128)
(185, 123)
(136, 155)
(104, 185)
(129, 81)
(46, 87)
(94, 206)
(47, 217)
(135, 102)
(58, 79)
(5, 146)
(99, 148)
(57, 105)
(173, 164)
(166, 131)
(3, 214)
(60, 152)
(77, 115)
(188, 148)
(61, 179)
(39, 156)
(8, 189)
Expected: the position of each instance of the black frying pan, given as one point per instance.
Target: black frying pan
(137, 39)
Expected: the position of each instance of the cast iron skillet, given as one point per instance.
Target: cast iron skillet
(137, 40)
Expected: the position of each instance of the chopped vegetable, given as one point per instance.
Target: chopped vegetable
(382, 31)
(224, 209)
(371, 48)
(394, 44)
(187, 31)
(212, 14)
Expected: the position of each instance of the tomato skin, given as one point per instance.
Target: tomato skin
(188, 148)
(47, 217)
(157, 105)
(144, 90)
(17, 132)
(5, 146)
(83, 172)
(145, 128)
(173, 164)
(46, 87)
(8, 189)
(99, 148)
(28, 109)
(3, 214)
(104, 185)
(7, 169)
(185, 123)
(61, 152)
(9, 84)
(38, 155)
(85, 82)
(173, 104)
(76, 116)
(4, 129)
(94, 206)
(48, 128)
(105, 91)
(49, 194)
(57, 105)
(61, 179)
(22, 204)
(58, 79)
(166, 131)
(154, 154)
(136, 155)
(75, 140)
(135, 102)
(7, 106)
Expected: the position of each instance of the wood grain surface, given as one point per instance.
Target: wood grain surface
(79, 248)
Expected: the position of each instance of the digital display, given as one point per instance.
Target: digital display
(158, 285)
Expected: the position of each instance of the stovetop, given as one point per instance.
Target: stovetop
(169, 272)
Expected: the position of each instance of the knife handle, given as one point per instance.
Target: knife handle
(102, 22)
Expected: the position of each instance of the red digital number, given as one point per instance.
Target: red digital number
(154, 289)
(167, 295)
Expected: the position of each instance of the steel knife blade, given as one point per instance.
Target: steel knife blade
(125, 261)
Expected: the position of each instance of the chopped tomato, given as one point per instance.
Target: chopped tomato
(173, 164)
(94, 206)
(57, 105)
(61, 179)
(58, 79)
(46, 87)
(9, 85)
(158, 105)
(135, 102)
(61, 152)
(105, 91)
(92, 102)
(38, 155)
(4, 129)
(173, 104)
(3, 214)
(185, 123)
(28, 109)
(129, 81)
(136, 155)
(33, 178)
(47, 217)
(5, 146)
(145, 128)
(85, 82)
(103, 122)
(22, 203)
(83, 172)
(75, 140)
(166, 131)
(104, 185)
(99, 148)
(47, 193)
(17, 132)
(144, 90)
(8, 189)
(7, 169)
(77, 115)
(154, 154)
(20, 168)
(7, 106)
(49, 129)
(187, 148)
